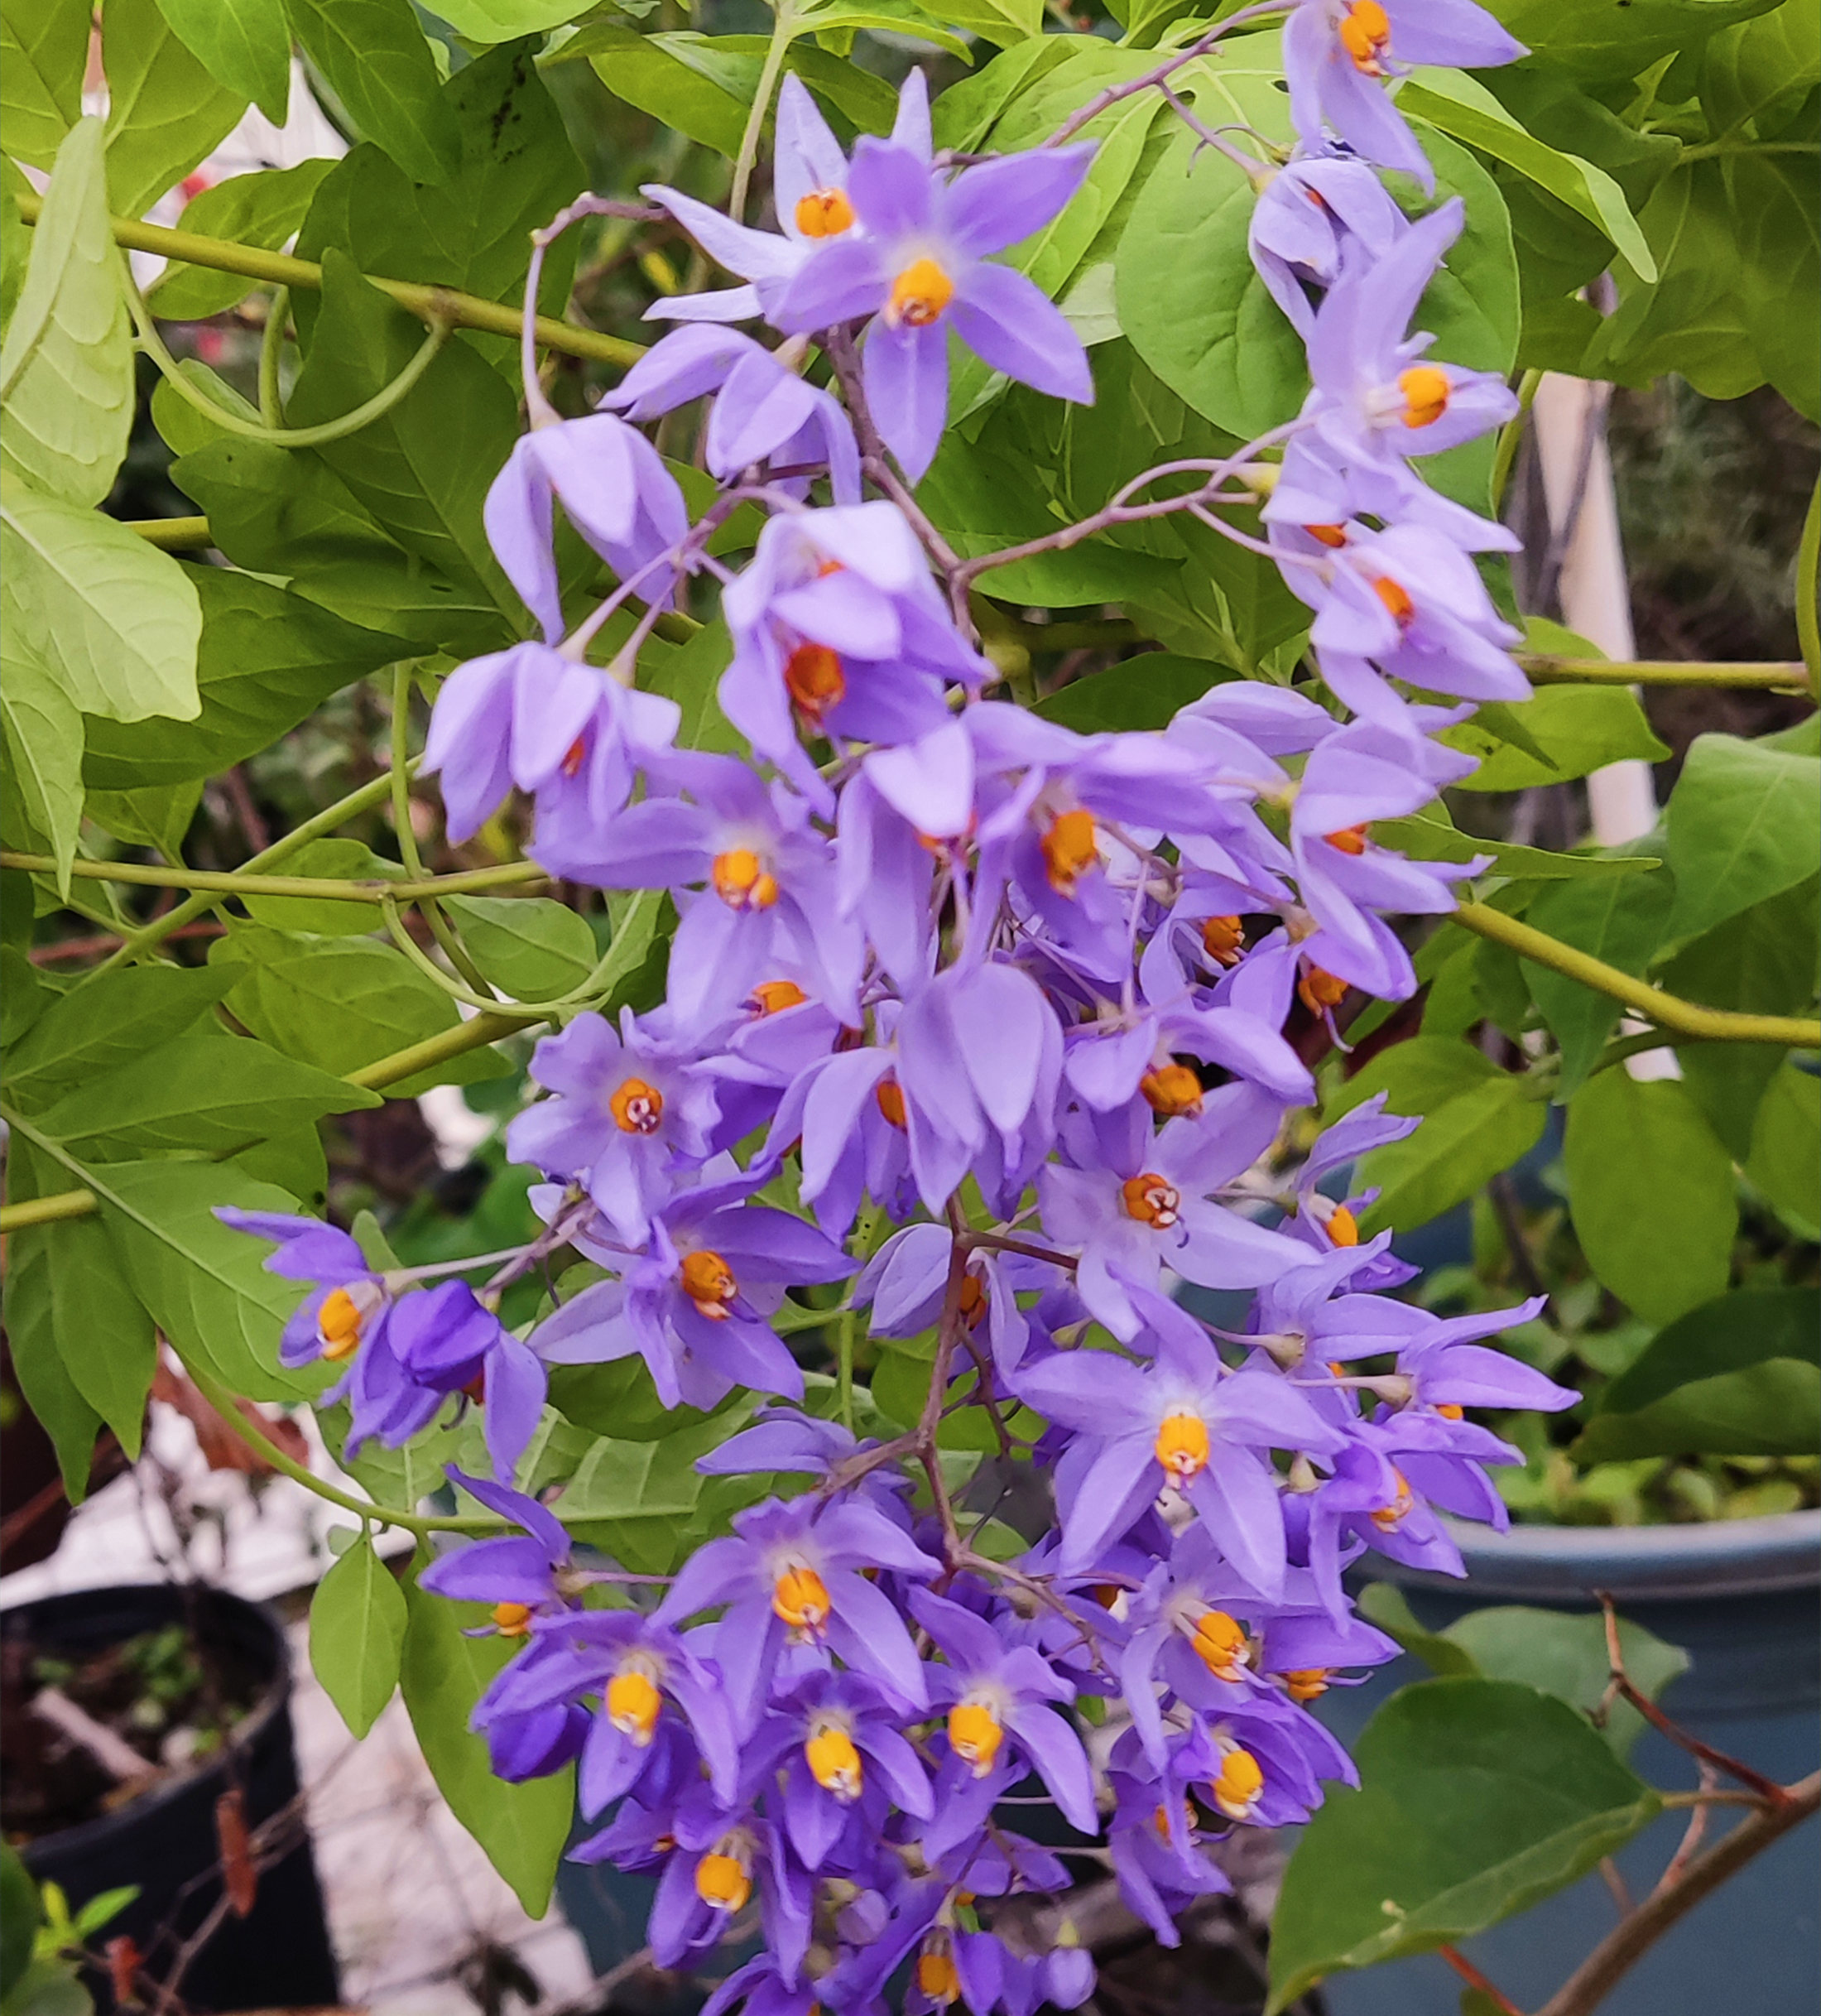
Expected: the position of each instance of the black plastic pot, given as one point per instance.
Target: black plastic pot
(164, 1842)
(1743, 1600)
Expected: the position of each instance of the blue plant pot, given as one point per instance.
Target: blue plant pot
(1743, 1600)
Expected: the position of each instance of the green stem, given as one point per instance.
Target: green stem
(363, 415)
(49, 1210)
(1510, 436)
(476, 1033)
(427, 303)
(272, 350)
(457, 988)
(1808, 592)
(172, 534)
(783, 34)
(1714, 150)
(1770, 676)
(1684, 1018)
(234, 882)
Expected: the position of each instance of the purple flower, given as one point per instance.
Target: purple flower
(791, 1573)
(1158, 1851)
(1150, 1208)
(1337, 55)
(837, 623)
(1315, 212)
(1184, 1421)
(531, 1575)
(348, 1306)
(530, 717)
(694, 1304)
(844, 1764)
(764, 412)
(631, 1110)
(907, 1282)
(615, 491)
(851, 1117)
(998, 1697)
(809, 186)
(710, 1875)
(918, 267)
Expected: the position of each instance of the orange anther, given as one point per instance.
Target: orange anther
(1170, 1090)
(1220, 1644)
(722, 1882)
(834, 1761)
(1320, 991)
(633, 1703)
(1332, 535)
(1389, 1517)
(338, 1324)
(741, 881)
(1342, 1227)
(1396, 598)
(1236, 1790)
(825, 213)
(800, 1597)
(575, 756)
(1425, 389)
(1447, 1410)
(1306, 1683)
(1223, 939)
(937, 1978)
(512, 1620)
(774, 997)
(1366, 34)
(708, 1283)
(814, 678)
(1182, 1446)
(1349, 840)
(637, 1107)
(971, 1304)
(975, 1734)
(889, 1094)
(1068, 849)
(919, 295)
(1151, 1200)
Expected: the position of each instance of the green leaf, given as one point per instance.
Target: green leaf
(1574, 728)
(1385, 1605)
(1759, 73)
(50, 1988)
(357, 1634)
(153, 815)
(1478, 1798)
(44, 49)
(264, 209)
(1782, 1162)
(473, 229)
(1651, 1191)
(1618, 918)
(103, 1332)
(266, 660)
(66, 382)
(1006, 22)
(1461, 1145)
(109, 1019)
(43, 739)
(1744, 823)
(1456, 102)
(244, 44)
(532, 946)
(341, 1002)
(1431, 836)
(1604, 43)
(20, 1915)
(30, 1319)
(374, 58)
(112, 619)
(1740, 1376)
(1416, 1075)
(424, 470)
(500, 21)
(207, 1093)
(1142, 692)
(165, 111)
(522, 1827)
(330, 860)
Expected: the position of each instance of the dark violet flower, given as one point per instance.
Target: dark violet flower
(1183, 1422)
(1159, 1851)
(1001, 1718)
(530, 1575)
(445, 1341)
(845, 1765)
(346, 1306)
(837, 624)
(631, 1110)
(918, 265)
(1338, 55)
(792, 1573)
(694, 1304)
(529, 717)
(1327, 1224)
(615, 491)
(764, 412)
(710, 1876)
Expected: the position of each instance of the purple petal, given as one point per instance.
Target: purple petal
(906, 373)
(1010, 322)
(990, 207)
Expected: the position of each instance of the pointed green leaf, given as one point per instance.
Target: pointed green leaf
(30, 1319)
(1744, 823)
(165, 111)
(377, 62)
(103, 1331)
(244, 44)
(44, 49)
(43, 732)
(109, 1019)
(357, 1634)
(264, 209)
(532, 946)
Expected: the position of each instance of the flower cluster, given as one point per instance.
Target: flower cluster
(944, 966)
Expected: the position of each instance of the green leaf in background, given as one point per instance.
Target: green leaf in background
(500, 21)
(103, 1332)
(341, 1002)
(206, 1093)
(471, 230)
(153, 815)
(1463, 1143)
(1431, 835)
(1416, 1075)
(264, 209)
(165, 111)
(357, 1634)
(522, 1827)
(330, 860)
(112, 619)
(374, 58)
(244, 44)
(423, 471)
(266, 660)
(1762, 961)
(31, 1319)
(1651, 1191)
(1565, 1655)
(1782, 1162)
(1744, 823)
(1478, 1798)
(111, 1018)
(20, 1914)
(1740, 1376)
(44, 49)
(1615, 44)
(42, 730)
(532, 946)
(1759, 72)
(66, 381)
(1619, 919)
(1576, 729)
(1142, 692)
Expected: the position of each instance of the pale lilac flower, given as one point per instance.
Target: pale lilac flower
(1313, 212)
